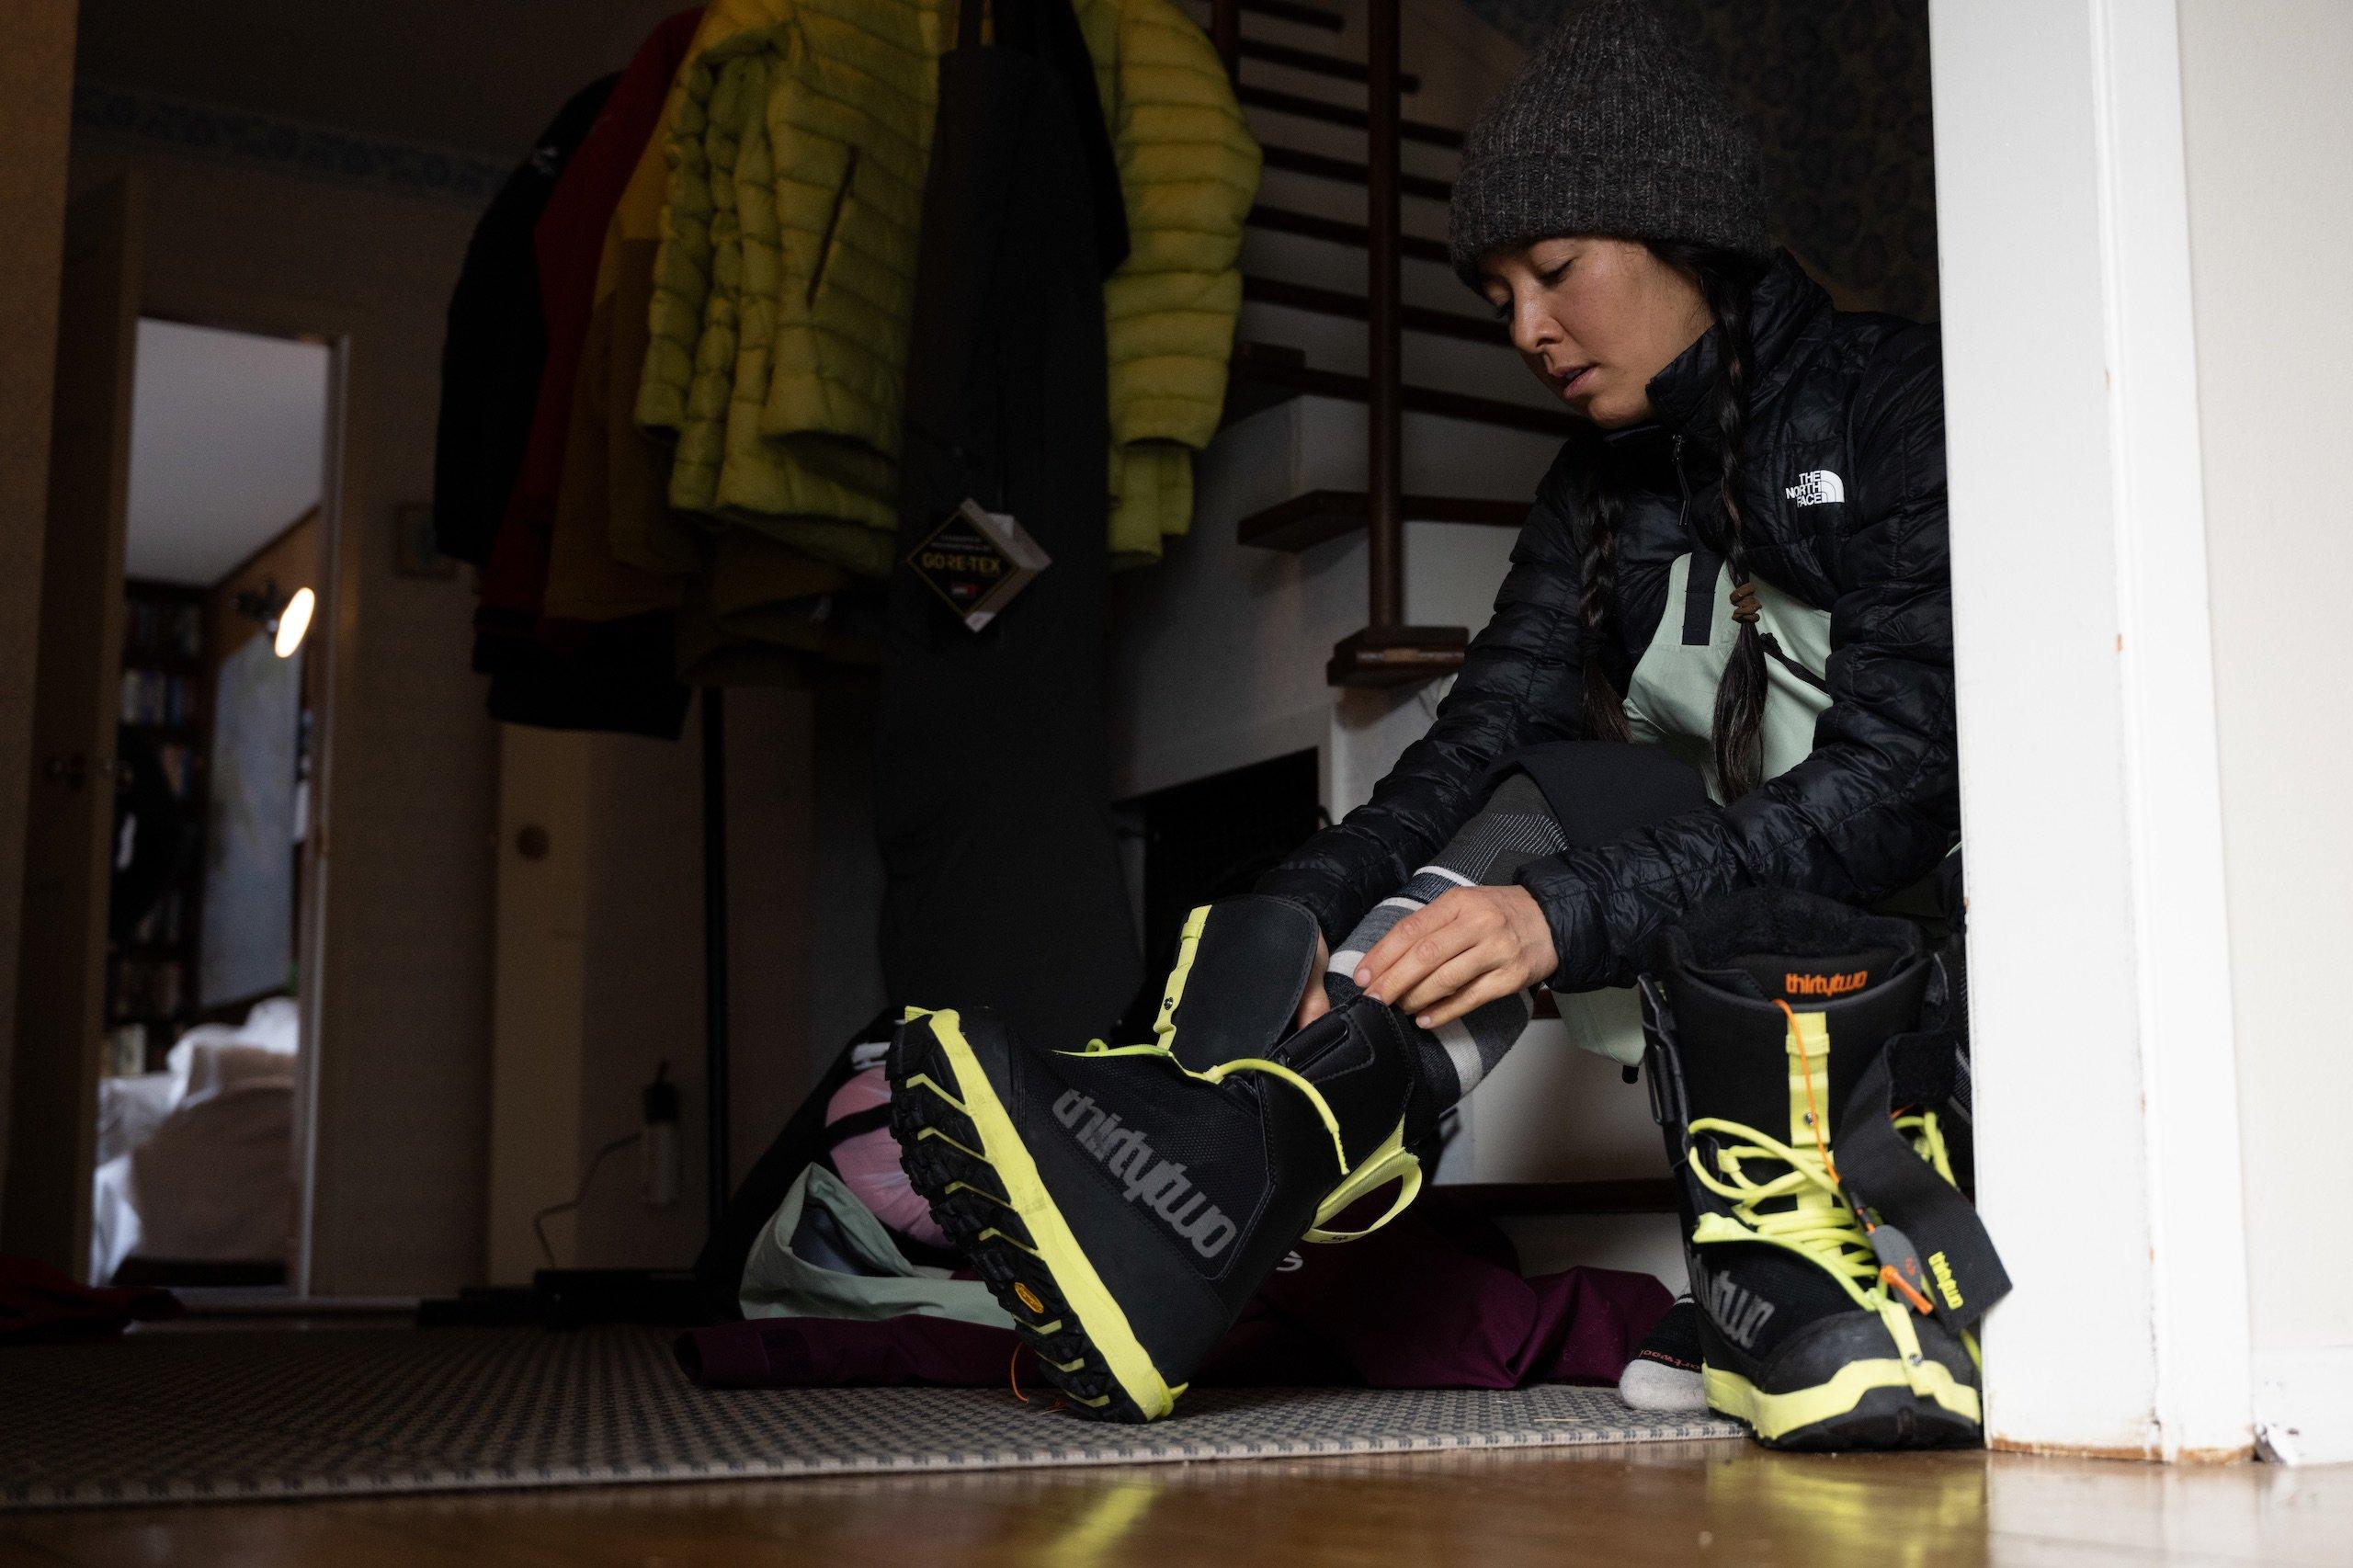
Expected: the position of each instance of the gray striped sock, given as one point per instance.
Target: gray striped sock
(1513, 828)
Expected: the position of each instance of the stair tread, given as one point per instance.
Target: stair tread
(1253, 362)
(1276, 101)
(1341, 302)
(1304, 16)
(1396, 656)
(1317, 514)
(1339, 232)
(1338, 66)
(1322, 167)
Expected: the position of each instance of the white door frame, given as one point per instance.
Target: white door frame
(2105, 1069)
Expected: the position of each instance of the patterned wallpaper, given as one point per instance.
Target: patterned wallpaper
(285, 146)
(1839, 92)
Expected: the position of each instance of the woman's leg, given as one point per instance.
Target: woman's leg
(1513, 827)
(1590, 791)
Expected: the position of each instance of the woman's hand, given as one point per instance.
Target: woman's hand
(1468, 946)
(1314, 1005)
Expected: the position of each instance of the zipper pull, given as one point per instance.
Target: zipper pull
(1683, 513)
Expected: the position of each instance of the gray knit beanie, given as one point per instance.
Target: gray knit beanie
(1613, 126)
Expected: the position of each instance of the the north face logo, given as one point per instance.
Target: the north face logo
(1739, 1313)
(1159, 1185)
(1815, 488)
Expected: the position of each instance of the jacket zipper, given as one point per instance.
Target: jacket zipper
(825, 240)
(1683, 514)
(1700, 586)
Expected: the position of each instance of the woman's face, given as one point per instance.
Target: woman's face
(1595, 318)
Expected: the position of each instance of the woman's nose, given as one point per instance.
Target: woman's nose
(1532, 329)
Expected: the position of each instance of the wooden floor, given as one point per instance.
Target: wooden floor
(1665, 1504)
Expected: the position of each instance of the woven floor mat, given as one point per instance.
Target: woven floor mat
(238, 1416)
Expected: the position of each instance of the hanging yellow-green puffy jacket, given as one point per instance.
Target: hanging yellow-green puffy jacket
(784, 281)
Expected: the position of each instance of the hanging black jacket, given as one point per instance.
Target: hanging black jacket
(495, 345)
(1854, 396)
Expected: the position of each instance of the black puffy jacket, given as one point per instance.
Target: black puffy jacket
(1876, 803)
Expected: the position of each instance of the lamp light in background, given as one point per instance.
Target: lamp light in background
(293, 622)
(286, 618)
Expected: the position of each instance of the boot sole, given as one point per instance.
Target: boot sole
(959, 1147)
(1870, 1404)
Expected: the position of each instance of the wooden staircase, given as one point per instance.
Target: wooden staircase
(1386, 650)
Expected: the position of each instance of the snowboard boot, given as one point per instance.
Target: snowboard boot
(1123, 1206)
(1797, 1056)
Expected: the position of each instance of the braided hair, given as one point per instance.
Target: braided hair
(1727, 282)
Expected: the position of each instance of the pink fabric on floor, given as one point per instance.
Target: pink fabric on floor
(869, 1162)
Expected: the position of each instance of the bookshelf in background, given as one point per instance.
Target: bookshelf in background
(152, 967)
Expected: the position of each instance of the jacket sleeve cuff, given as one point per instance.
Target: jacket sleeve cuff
(1316, 893)
(1572, 914)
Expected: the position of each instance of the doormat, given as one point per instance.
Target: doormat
(249, 1415)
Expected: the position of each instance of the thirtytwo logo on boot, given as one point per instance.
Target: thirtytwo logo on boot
(1159, 1185)
(1796, 985)
(1739, 1312)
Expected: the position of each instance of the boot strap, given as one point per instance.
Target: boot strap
(1397, 1165)
(1923, 1228)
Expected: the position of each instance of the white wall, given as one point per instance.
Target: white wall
(2268, 125)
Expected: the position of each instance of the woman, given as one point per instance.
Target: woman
(1738, 558)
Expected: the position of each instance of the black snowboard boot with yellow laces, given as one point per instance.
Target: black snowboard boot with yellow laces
(1123, 1206)
(1797, 1052)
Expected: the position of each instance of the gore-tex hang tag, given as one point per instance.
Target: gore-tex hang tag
(976, 561)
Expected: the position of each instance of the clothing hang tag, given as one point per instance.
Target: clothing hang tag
(976, 561)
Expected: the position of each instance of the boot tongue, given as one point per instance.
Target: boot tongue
(1801, 980)
(1733, 1054)
(1242, 965)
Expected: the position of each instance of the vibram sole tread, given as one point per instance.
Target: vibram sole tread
(946, 1156)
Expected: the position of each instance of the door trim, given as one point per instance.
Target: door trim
(2090, 781)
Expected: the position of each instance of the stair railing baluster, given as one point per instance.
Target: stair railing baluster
(1387, 652)
(1384, 415)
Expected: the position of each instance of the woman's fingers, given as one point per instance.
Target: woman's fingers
(1494, 983)
(1469, 947)
(1442, 983)
(1415, 946)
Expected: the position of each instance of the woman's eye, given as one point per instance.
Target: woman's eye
(1559, 272)
(1501, 312)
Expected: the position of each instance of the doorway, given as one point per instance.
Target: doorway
(195, 1176)
(173, 868)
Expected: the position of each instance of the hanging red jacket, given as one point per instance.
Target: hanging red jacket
(618, 677)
